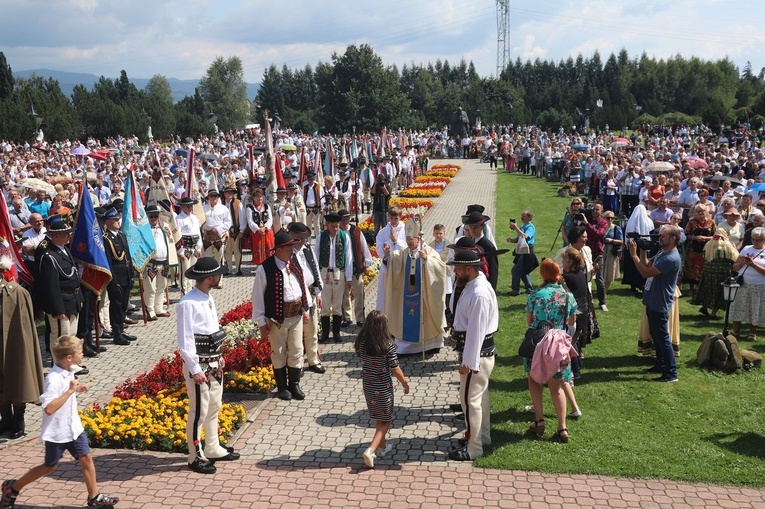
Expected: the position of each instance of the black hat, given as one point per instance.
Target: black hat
(284, 239)
(152, 209)
(475, 208)
(228, 189)
(292, 185)
(310, 173)
(464, 243)
(299, 230)
(205, 267)
(343, 213)
(111, 213)
(281, 189)
(99, 212)
(332, 217)
(56, 224)
(188, 200)
(213, 192)
(118, 203)
(466, 257)
(362, 160)
(475, 218)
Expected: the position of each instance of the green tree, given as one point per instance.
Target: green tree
(224, 92)
(159, 107)
(6, 78)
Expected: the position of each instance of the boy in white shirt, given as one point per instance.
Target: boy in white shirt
(62, 428)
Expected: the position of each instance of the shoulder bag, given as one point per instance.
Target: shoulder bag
(534, 335)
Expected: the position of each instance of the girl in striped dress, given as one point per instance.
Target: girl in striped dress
(377, 351)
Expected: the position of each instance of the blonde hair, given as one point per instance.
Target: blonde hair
(720, 247)
(65, 345)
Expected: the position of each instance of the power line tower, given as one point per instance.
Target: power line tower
(503, 35)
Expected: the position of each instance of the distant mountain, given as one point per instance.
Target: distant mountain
(68, 80)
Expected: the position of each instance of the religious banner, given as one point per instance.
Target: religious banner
(135, 226)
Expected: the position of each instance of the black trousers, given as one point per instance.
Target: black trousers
(87, 318)
(119, 297)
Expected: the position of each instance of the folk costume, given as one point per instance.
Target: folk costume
(362, 260)
(156, 271)
(367, 180)
(476, 218)
(189, 248)
(233, 251)
(259, 221)
(21, 370)
(199, 343)
(121, 266)
(476, 318)
(280, 299)
(217, 224)
(57, 284)
(312, 197)
(335, 260)
(414, 301)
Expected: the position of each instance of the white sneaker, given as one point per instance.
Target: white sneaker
(369, 458)
(381, 454)
(575, 415)
(529, 408)
(603, 308)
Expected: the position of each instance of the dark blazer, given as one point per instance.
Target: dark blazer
(57, 280)
(116, 247)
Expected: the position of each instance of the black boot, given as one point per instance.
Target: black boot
(87, 347)
(324, 330)
(295, 384)
(336, 323)
(17, 431)
(280, 375)
(118, 339)
(125, 335)
(6, 418)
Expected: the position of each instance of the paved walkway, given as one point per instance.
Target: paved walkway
(308, 454)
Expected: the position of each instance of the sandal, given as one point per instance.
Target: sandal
(560, 437)
(536, 428)
(751, 337)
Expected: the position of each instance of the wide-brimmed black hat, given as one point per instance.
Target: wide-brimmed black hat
(188, 200)
(332, 217)
(56, 224)
(284, 239)
(99, 212)
(475, 218)
(343, 213)
(228, 189)
(475, 208)
(152, 209)
(465, 243)
(292, 185)
(466, 257)
(299, 230)
(118, 203)
(205, 267)
(213, 192)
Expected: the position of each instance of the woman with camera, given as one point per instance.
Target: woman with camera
(572, 218)
(749, 306)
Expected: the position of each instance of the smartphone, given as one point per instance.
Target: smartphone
(512, 220)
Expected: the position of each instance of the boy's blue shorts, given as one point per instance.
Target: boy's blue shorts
(54, 451)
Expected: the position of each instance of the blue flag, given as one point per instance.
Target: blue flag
(136, 227)
(88, 246)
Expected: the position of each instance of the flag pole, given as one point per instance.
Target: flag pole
(143, 302)
(96, 329)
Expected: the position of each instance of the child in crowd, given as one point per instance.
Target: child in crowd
(62, 428)
(377, 351)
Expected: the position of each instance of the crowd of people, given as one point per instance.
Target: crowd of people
(300, 222)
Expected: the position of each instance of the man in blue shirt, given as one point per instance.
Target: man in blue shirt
(661, 274)
(522, 266)
(41, 205)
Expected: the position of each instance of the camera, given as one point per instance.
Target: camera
(648, 242)
(512, 220)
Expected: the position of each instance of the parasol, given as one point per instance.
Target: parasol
(659, 166)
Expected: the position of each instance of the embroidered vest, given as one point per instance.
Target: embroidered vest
(339, 249)
(273, 299)
(358, 251)
(315, 188)
(259, 218)
(308, 252)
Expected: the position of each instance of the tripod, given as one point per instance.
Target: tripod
(558, 232)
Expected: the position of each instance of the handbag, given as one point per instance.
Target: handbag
(522, 247)
(534, 335)
(740, 276)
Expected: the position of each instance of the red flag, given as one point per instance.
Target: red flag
(251, 159)
(303, 166)
(279, 172)
(19, 271)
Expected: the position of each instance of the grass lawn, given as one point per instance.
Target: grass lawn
(706, 428)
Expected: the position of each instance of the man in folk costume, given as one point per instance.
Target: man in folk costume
(21, 370)
(486, 227)
(394, 235)
(310, 266)
(474, 223)
(348, 187)
(332, 250)
(233, 251)
(475, 323)
(362, 260)
(298, 205)
(260, 219)
(367, 180)
(121, 266)
(199, 343)
(57, 284)
(217, 224)
(280, 307)
(156, 271)
(415, 289)
(189, 248)
(312, 197)
(343, 187)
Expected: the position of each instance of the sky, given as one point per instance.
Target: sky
(179, 39)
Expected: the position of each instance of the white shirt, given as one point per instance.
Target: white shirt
(217, 218)
(477, 315)
(189, 225)
(159, 239)
(32, 239)
(196, 315)
(292, 291)
(332, 245)
(65, 424)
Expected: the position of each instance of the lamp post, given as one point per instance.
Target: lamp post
(730, 288)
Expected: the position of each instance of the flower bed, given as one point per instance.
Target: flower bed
(421, 192)
(254, 381)
(429, 180)
(443, 170)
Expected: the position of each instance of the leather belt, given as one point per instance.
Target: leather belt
(293, 308)
(487, 348)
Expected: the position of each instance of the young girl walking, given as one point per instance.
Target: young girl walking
(377, 351)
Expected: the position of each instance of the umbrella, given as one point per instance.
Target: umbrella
(757, 187)
(96, 155)
(288, 146)
(208, 156)
(696, 162)
(181, 152)
(620, 143)
(723, 178)
(580, 147)
(37, 183)
(660, 166)
(80, 151)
